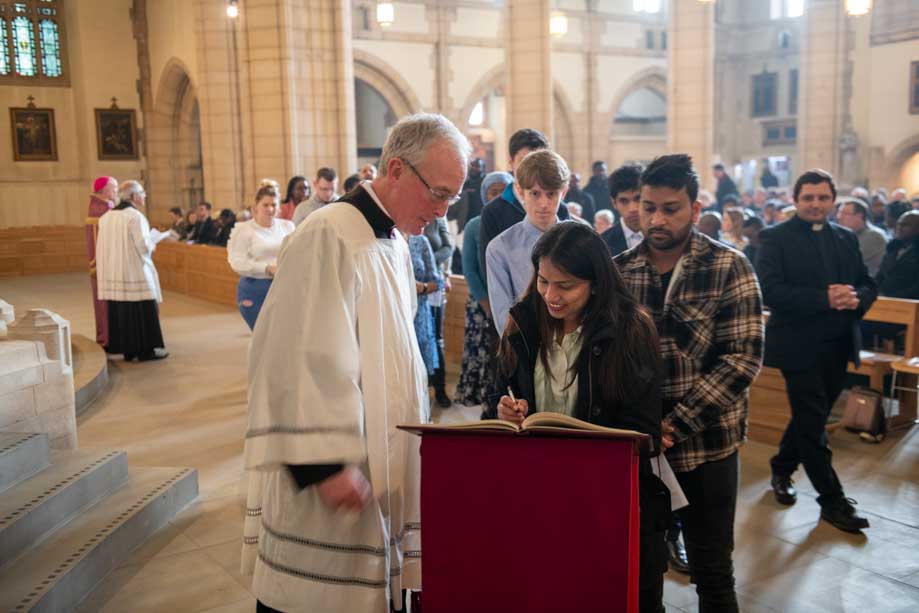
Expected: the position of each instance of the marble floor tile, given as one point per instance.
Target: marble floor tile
(190, 410)
(190, 581)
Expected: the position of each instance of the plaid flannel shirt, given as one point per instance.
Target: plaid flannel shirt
(711, 334)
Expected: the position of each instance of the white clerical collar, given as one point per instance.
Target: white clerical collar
(366, 185)
(816, 227)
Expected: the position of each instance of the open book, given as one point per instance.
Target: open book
(537, 423)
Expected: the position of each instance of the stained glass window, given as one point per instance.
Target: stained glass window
(33, 42)
(50, 48)
(4, 50)
(24, 46)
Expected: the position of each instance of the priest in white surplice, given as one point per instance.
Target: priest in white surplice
(332, 521)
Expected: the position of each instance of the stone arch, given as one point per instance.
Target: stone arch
(487, 83)
(387, 81)
(563, 137)
(174, 143)
(899, 155)
(653, 78)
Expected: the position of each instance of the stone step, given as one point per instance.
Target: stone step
(58, 573)
(74, 481)
(22, 454)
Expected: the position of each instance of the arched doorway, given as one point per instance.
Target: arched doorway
(374, 117)
(175, 160)
(638, 119)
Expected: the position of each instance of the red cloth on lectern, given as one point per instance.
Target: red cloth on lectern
(97, 208)
(527, 523)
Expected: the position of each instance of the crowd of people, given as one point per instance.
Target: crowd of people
(635, 302)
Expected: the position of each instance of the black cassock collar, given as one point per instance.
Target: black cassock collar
(380, 223)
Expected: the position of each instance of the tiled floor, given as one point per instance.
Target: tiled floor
(189, 410)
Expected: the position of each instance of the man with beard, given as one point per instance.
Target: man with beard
(706, 303)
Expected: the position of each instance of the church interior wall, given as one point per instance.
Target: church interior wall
(102, 64)
(171, 36)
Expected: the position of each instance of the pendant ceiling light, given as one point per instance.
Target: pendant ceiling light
(857, 8)
(233, 9)
(386, 14)
(558, 24)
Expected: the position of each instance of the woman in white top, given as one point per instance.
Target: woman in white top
(253, 250)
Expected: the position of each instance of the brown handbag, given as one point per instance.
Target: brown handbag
(864, 412)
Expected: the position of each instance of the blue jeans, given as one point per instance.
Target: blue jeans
(250, 295)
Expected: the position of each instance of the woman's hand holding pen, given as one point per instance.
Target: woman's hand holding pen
(512, 410)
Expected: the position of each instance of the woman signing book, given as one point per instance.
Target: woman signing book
(577, 343)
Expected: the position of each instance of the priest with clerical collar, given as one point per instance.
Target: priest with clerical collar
(101, 201)
(127, 278)
(332, 520)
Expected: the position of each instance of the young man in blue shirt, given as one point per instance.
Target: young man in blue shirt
(541, 183)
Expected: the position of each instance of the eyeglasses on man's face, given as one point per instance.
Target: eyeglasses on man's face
(438, 195)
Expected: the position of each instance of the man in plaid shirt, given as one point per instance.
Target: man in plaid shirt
(706, 302)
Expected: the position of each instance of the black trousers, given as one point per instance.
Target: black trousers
(439, 378)
(811, 394)
(708, 531)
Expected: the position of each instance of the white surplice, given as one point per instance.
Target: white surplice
(334, 368)
(124, 257)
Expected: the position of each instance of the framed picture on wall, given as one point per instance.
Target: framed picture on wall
(116, 133)
(34, 136)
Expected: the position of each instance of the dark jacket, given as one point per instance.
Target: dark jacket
(794, 283)
(588, 206)
(726, 187)
(615, 239)
(441, 242)
(499, 215)
(204, 232)
(598, 188)
(642, 415)
(899, 273)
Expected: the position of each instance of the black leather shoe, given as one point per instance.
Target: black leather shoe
(443, 401)
(157, 354)
(843, 515)
(784, 489)
(676, 557)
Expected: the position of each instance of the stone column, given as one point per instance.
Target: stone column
(822, 110)
(298, 87)
(529, 67)
(691, 83)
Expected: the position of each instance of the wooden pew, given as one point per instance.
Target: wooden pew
(769, 409)
(201, 271)
(41, 250)
(455, 321)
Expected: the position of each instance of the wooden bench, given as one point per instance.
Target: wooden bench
(39, 250)
(201, 271)
(769, 408)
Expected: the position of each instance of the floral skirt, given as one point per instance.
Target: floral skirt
(479, 344)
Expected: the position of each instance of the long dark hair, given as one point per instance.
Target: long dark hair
(293, 183)
(578, 250)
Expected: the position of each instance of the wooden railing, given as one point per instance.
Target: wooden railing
(201, 271)
(38, 250)
(769, 408)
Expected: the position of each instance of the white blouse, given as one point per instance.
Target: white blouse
(252, 248)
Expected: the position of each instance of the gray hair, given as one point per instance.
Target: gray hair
(604, 214)
(127, 190)
(413, 135)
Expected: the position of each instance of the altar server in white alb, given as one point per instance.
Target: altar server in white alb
(127, 277)
(333, 513)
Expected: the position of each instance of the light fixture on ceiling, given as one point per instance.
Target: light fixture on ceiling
(558, 24)
(857, 8)
(386, 14)
(233, 9)
(646, 6)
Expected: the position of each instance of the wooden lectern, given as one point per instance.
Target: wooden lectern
(529, 522)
